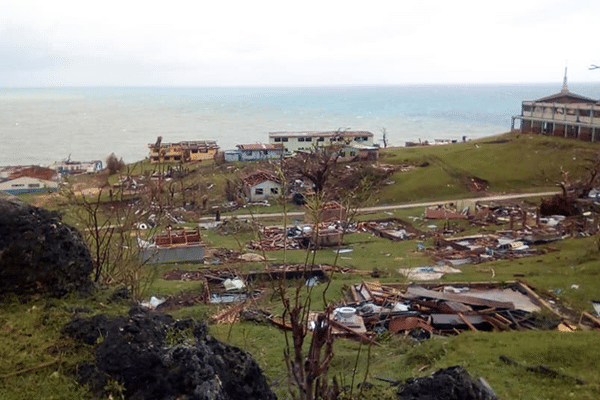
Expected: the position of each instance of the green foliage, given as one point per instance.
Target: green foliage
(175, 337)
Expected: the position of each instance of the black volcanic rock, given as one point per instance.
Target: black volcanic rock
(39, 253)
(156, 357)
(453, 383)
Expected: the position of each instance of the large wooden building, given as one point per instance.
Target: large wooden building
(182, 151)
(563, 114)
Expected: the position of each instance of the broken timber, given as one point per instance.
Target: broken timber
(417, 291)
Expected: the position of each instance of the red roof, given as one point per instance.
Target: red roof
(259, 176)
(34, 171)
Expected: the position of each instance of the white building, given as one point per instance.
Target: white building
(26, 184)
(77, 167)
(294, 141)
(261, 185)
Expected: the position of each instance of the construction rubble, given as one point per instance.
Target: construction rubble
(424, 310)
(228, 285)
(273, 238)
(480, 248)
(391, 228)
(421, 311)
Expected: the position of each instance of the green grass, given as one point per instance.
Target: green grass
(510, 163)
(32, 337)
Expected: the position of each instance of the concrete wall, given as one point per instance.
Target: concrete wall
(27, 184)
(252, 155)
(266, 188)
(306, 142)
(175, 254)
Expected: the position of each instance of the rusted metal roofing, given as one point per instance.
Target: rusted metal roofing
(259, 176)
(33, 171)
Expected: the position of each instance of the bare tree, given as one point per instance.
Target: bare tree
(107, 227)
(384, 137)
(316, 166)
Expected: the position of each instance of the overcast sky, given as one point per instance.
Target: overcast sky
(322, 42)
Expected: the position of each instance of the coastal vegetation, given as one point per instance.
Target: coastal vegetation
(40, 362)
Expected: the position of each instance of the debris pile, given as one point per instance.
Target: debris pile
(275, 238)
(480, 248)
(446, 211)
(233, 225)
(228, 285)
(420, 311)
(391, 228)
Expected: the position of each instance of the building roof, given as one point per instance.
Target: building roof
(320, 134)
(566, 96)
(260, 146)
(33, 171)
(259, 176)
(191, 145)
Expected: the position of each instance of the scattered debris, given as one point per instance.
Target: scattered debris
(428, 273)
(447, 309)
(442, 212)
(153, 303)
(481, 248)
(391, 228)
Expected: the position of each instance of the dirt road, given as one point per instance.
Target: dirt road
(367, 210)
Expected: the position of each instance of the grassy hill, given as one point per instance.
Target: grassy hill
(510, 163)
(38, 362)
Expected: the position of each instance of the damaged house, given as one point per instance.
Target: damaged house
(261, 185)
(197, 150)
(29, 179)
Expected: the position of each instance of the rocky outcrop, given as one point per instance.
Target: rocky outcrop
(39, 253)
(154, 356)
(453, 383)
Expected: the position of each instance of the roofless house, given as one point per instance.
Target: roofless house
(563, 114)
(198, 150)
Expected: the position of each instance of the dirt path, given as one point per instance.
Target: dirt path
(367, 210)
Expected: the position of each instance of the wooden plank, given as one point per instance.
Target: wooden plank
(497, 324)
(502, 318)
(355, 295)
(591, 318)
(466, 321)
(541, 301)
(364, 338)
(419, 291)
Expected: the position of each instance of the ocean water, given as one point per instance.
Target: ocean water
(43, 125)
